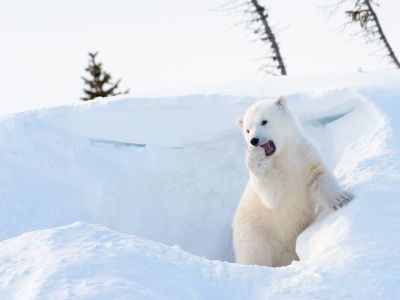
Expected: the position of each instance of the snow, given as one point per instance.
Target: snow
(162, 177)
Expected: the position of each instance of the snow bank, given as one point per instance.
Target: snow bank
(171, 170)
(82, 261)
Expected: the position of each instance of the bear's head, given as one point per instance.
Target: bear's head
(269, 125)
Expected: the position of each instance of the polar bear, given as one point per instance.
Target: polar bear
(288, 184)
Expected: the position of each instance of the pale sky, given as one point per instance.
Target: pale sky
(166, 45)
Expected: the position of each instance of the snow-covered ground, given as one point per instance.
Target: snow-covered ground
(162, 178)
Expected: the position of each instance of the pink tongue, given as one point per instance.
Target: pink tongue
(268, 147)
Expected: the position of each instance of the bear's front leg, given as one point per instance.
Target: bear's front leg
(256, 161)
(327, 192)
(262, 174)
(342, 199)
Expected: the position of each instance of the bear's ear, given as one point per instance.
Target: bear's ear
(239, 122)
(281, 102)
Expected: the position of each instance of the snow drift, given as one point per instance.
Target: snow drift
(171, 171)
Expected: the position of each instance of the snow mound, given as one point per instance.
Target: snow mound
(83, 261)
(171, 171)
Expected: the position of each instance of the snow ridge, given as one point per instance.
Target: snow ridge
(83, 163)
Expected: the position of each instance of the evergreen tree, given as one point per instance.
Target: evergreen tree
(99, 85)
(364, 14)
(264, 30)
(258, 21)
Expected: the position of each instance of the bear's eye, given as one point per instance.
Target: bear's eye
(248, 131)
(263, 122)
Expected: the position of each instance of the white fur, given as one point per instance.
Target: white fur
(284, 190)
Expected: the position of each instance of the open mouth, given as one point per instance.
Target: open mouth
(269, 148)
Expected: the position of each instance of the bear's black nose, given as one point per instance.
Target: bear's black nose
(254, 141)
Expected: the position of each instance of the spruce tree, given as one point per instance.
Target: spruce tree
(264, 30)
(258, 21)
(99, 84)
(364, 14)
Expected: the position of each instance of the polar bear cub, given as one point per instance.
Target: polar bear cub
(288, 184)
